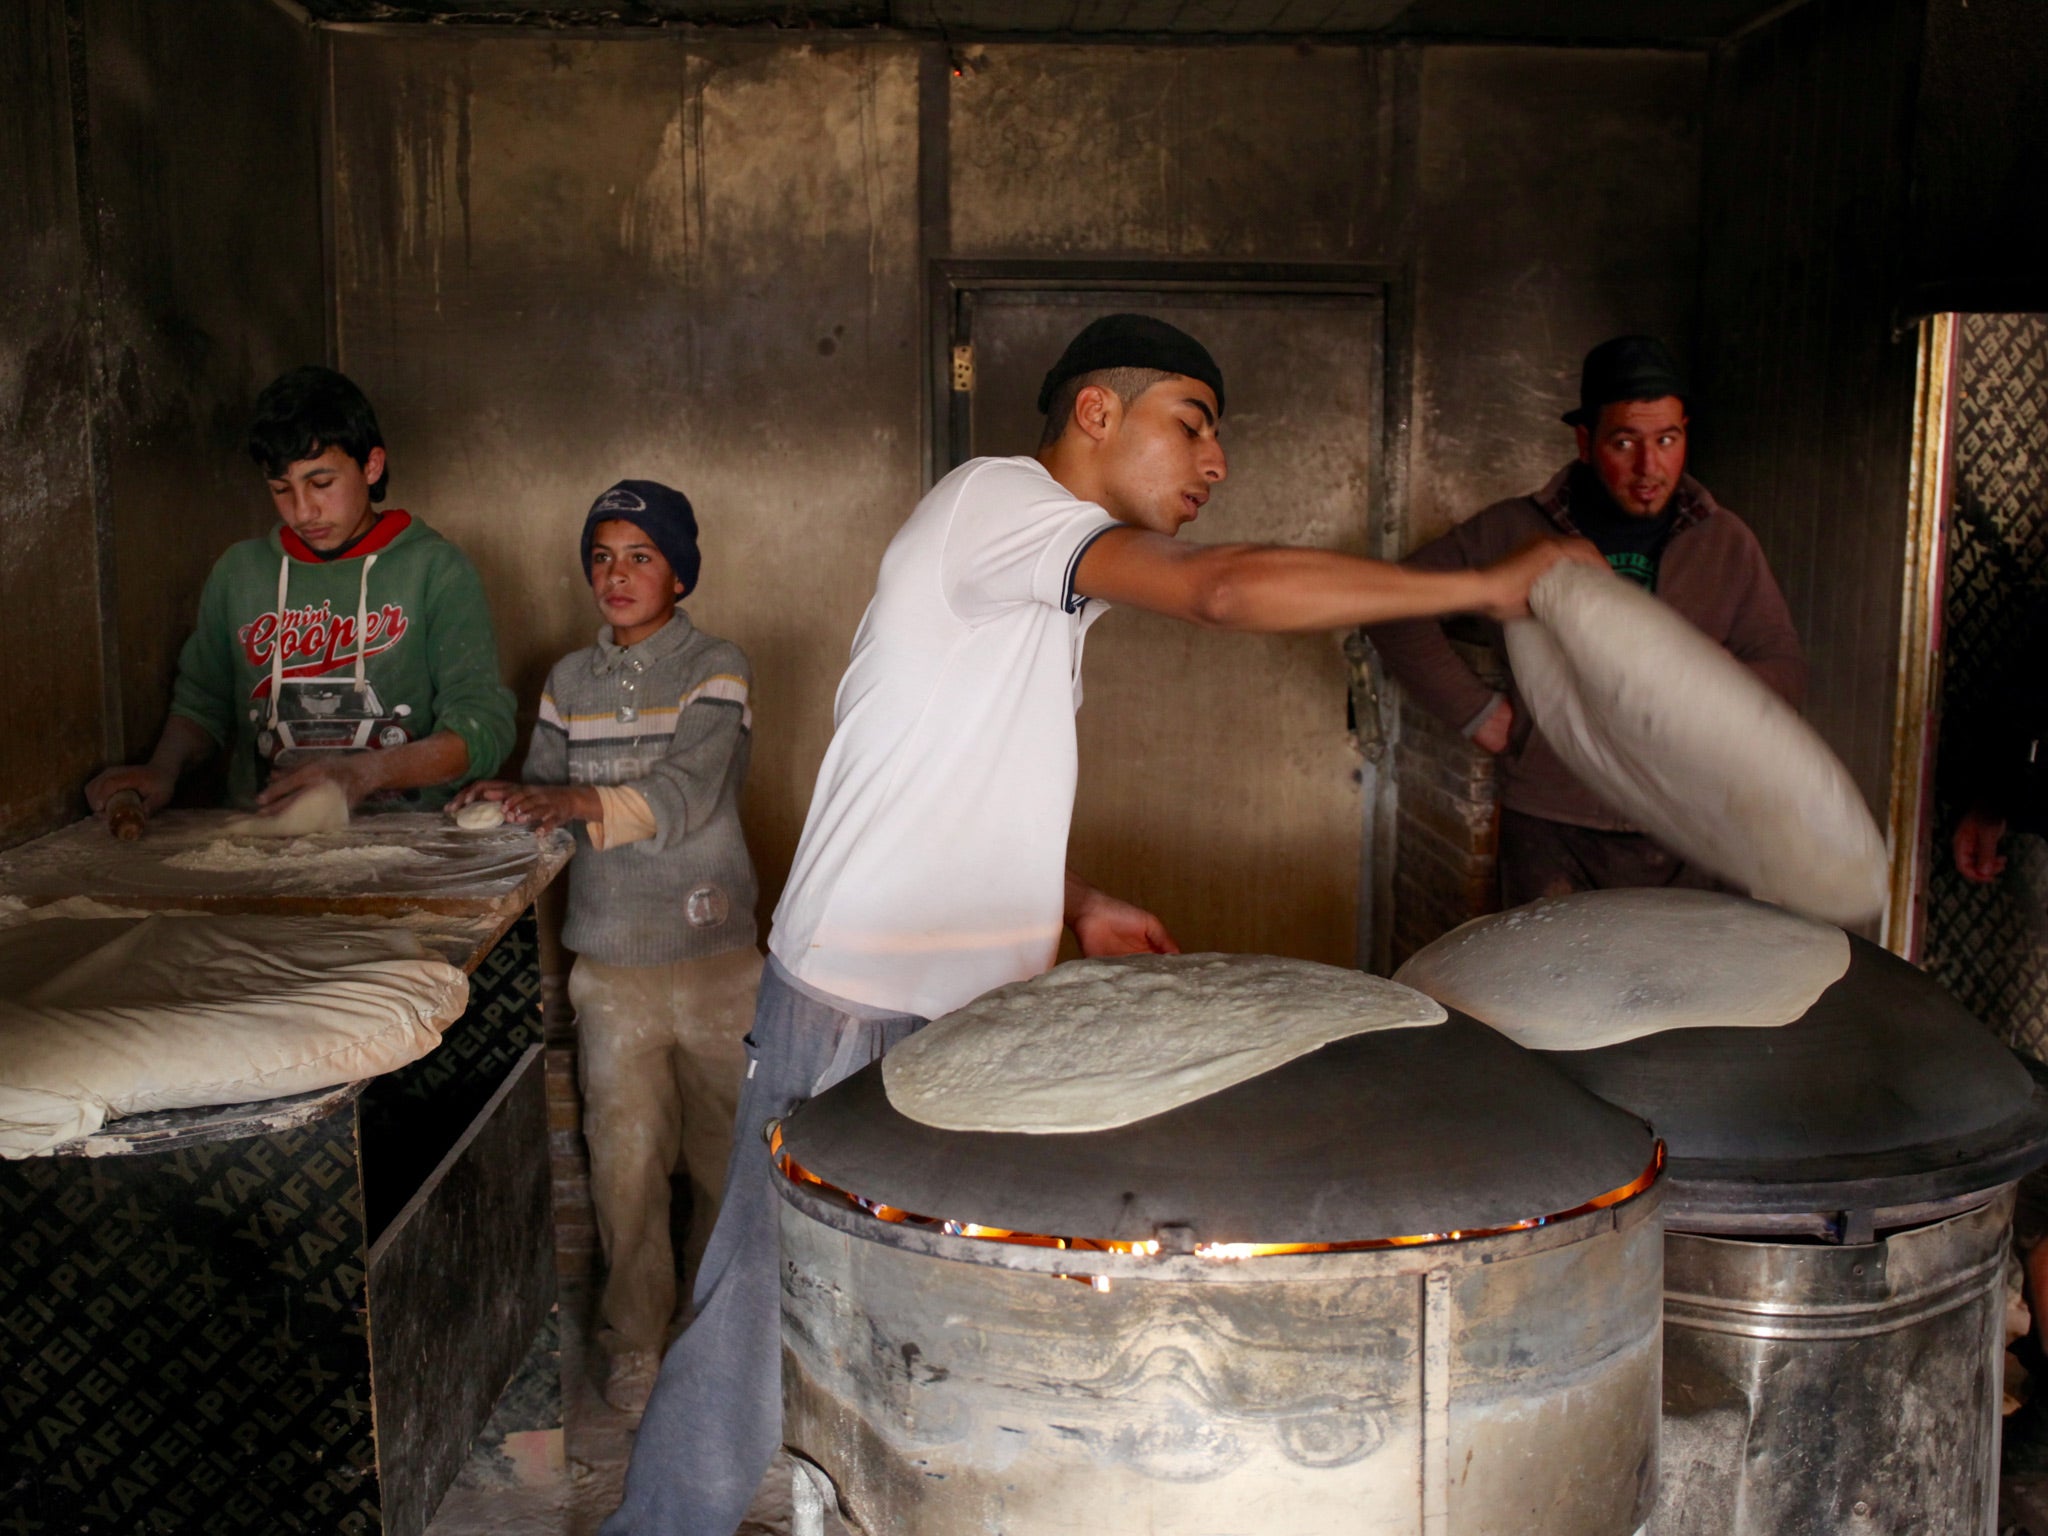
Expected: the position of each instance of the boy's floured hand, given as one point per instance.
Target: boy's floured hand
(484, 789)
(545, 807)
(350, 772)
(151, 785)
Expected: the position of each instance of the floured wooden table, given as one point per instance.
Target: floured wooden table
(400, 864)
(211, 1283)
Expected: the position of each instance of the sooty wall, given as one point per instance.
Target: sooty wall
(49, 574)
(160, 236)
(559, 261)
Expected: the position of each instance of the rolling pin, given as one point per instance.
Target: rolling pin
(125, 816)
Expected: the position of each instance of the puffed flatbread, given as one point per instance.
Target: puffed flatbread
(1572, 973)
(1096, 1044)
(1693, 747)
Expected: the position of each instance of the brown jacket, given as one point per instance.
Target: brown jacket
(1712, 570)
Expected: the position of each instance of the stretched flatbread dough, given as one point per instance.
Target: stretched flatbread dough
(1100, 1043)
(101, 1017)
(480, 816)
(1571, 973)
(1690, 745)
(321, 807)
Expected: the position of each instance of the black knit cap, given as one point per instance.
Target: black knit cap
(660, 512)
(1132, 341)
(1625, 368)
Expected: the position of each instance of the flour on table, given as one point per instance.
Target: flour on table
(320, 807)
(1100, 1043)
(1692, 746)
(1572, 973)
(224, 856)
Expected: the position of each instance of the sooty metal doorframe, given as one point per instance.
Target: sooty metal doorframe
(954, 282)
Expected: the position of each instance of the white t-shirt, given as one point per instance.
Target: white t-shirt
(933, 862)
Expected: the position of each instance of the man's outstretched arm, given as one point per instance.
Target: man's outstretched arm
(1265, 588)
(1420, 656)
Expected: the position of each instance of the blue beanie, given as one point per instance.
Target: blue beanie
(662, 513)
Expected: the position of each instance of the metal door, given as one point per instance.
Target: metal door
(1219, 786)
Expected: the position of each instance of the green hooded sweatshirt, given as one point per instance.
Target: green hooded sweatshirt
(427, 661)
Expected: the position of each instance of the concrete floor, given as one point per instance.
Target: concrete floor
(553, 1458)
(562, 1479)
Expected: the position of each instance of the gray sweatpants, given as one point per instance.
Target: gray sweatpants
(715, 1419)
(659, 1056)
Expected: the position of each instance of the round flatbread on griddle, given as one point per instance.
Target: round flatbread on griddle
(1100, 1043)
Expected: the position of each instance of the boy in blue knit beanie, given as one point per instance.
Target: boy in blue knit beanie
(641, 749)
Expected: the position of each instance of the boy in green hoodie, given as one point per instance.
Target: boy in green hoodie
(351, 646)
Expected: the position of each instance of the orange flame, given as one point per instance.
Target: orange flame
(1148, 1247)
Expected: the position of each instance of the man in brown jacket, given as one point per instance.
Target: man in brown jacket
(1628, 493)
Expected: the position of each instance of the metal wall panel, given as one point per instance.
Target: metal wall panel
(561, 261)
(1255, 153)
(160, 232)
(206, 169)
(49, 572)
(1558, 205)
(1804, 424)
(1978, 239)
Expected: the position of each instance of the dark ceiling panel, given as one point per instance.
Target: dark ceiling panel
(1584, 21)
(1589, 21)
(607, 13)
(1125, 17)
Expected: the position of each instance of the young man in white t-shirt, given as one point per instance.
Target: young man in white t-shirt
(932, 864)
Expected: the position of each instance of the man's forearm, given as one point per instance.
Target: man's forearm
(1274, 590)
(184, 743)
(434, 759)
(1078, 892)
(1421, 658)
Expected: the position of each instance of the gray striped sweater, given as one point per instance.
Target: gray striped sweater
(670, 716)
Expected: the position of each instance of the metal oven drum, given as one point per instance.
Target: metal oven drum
(1486, 1375)
(1882, 1360)
(1839, 1196)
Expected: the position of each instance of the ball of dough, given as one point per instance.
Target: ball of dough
(320, 807)
(480, 816)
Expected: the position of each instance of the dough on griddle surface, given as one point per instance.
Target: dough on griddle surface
(1572, 973)
(1095, 1044)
